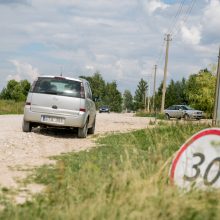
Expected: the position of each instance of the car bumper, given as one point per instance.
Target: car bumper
(76, 120)
(196, 116)
(104, 111)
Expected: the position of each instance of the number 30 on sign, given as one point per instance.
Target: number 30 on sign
(197, 163)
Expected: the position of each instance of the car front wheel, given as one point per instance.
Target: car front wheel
(167, 116)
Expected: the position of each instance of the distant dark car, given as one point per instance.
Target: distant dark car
(104, 109)
(183, 111)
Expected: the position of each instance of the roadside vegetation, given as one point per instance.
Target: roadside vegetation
(11, 107)
(148, 114)
(124, 177)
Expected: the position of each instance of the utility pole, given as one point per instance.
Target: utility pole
(148, 98)
(167, 39)
(145, 100)
(155, 74)
(216, 115)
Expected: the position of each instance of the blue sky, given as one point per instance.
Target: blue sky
(121, 39)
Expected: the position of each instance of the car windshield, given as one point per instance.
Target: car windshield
(186, 107)
(57, 86)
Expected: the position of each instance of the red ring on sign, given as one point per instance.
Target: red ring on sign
(186, 145)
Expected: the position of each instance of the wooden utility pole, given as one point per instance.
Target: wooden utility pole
(145, 100)
(167, 39)
(148, 98)
(155, 74)
(216, 115)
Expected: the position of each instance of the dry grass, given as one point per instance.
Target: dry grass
(11, 107)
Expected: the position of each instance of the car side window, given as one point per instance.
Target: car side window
(88, 91)
(172, 107)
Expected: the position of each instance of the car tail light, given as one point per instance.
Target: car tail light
(82, 110)
(82, 92)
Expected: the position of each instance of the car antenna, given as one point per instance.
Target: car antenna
(61, 71)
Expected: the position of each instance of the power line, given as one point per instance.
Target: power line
(160, 53)
(175, 18)
(171, 26)
(186, 16)
(173, 29)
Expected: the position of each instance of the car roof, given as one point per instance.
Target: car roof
(68, 78)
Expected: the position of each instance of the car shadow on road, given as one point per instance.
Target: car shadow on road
(56, 132)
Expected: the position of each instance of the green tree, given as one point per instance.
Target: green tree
(15, 90)
(201, 90)
(158, 97)
(107, 93)
(25, 85)
(127, 100)
(113, 97)
(98, 85)
(176, 93)
(140, 94)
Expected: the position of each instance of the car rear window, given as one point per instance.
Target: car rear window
(57, 86)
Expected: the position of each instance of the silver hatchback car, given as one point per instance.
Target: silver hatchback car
(60, 102)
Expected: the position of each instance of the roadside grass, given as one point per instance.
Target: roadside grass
(124, 177)
(147, 114)
(11, 107)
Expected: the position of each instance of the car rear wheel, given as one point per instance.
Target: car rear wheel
(26, 126)
(82, 132)
(92, 129)
(186, 117)
(167, 116)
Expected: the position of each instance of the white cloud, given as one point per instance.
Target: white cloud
(211, 22)
(90, 67)
(24, 70)
(152, 5)
(191, 35)
(16, 77)
(212, 13)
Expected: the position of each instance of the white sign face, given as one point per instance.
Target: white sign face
(197, 163)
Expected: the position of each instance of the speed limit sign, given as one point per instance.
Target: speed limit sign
(197, 163)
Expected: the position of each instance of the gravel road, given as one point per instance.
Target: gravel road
(21, 151)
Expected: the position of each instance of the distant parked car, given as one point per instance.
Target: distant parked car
(183, 111)
(104, 109)
(60, 102)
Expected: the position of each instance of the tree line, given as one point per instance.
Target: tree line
(197, 91)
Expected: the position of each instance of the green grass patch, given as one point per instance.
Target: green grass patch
(11, 107)
(147, 114)
(124, 177)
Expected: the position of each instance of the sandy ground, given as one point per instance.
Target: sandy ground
(20, 151)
